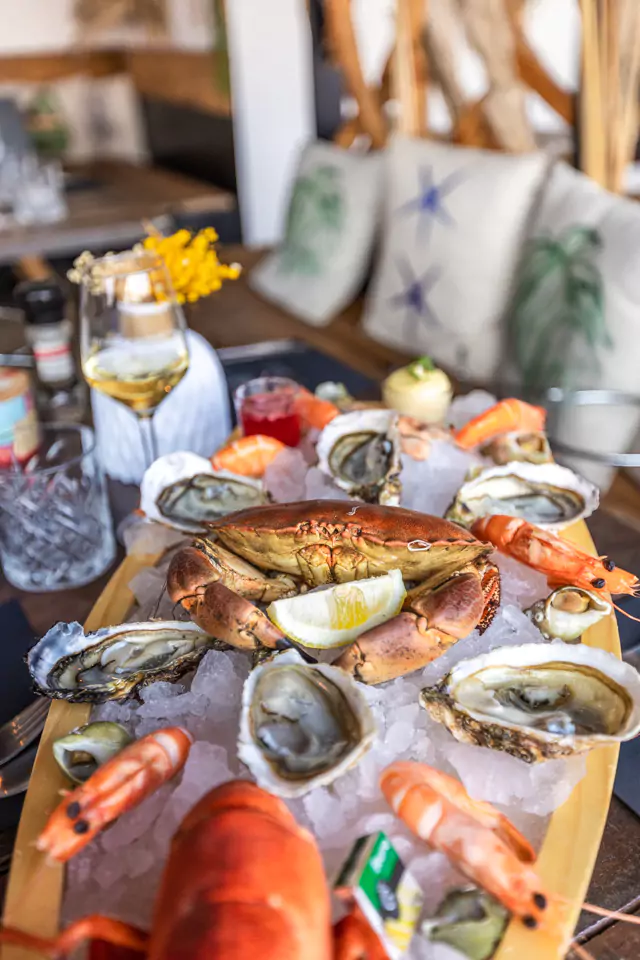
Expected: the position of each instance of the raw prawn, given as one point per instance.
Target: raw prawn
(116, 786)
(479, 840)
(505, 417)
(560, 561)
(248, 456)
(314, 411)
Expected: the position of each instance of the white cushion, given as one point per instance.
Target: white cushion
(323, 260)
(454, 222)
(592, 347)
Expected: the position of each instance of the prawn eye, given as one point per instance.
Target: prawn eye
(80, 826)
(608, 564)
(530, 922)
(598, 583)
(73, 810)
(540, 900)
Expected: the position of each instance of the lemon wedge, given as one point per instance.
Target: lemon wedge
(336, 615)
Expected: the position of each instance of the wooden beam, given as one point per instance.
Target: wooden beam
(180, 77)
(47, 67)
(342, 40)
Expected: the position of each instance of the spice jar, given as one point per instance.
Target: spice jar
(61, 393)
(19, 426)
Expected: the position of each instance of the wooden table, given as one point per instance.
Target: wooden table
(236, 316)
(111, 214)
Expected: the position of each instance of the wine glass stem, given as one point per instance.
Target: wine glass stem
(149, 439)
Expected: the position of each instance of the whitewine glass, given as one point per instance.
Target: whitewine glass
(132, 335)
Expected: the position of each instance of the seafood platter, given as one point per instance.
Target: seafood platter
(360, 698)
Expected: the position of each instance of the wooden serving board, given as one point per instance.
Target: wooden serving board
(565, 864)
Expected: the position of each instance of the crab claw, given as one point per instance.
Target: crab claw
(394, 649)
(224, 615)
(433, 618)
(202, 582)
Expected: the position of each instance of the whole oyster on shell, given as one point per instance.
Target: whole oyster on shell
(538, 701)
(113, 662)
(182, 490)
(567, 612)
(302, 725)
(360, 451)
(81, 752)
(547, 495)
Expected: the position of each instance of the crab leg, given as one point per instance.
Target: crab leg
(208, 562)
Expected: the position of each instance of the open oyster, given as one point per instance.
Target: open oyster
(470, 921)
(112, 663)
(302, 725)
(538, 701)
(361, 452)
(182, 490)
(82, 751)
(517, 446)
(567, 613)
(545, 494)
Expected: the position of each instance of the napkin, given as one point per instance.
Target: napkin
(195, 416)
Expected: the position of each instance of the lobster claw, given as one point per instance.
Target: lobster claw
(355, 939)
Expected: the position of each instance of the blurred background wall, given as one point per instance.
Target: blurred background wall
(166, 95)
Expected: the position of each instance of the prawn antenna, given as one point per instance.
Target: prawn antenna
(624, 612)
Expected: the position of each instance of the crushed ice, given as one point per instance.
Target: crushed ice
(119, 872)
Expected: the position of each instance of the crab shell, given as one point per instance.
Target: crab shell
(556, 623)
(327, 541)
(577, 497)
(65, 650)
(527, 742)
(517, 446)
(333, 448)
(265, 772)
(183, 465)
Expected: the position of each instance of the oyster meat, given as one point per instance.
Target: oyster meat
(360, 451)
(519, 447)
(544, 494)
(538, 701)
(82, 751)
(182, 490)
(112, 663)
(470, 921)
(302, 725)
(567, 613)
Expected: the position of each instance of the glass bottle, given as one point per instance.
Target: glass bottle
(61, 393)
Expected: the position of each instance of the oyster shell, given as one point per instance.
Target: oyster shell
(545, 494)
(302, 725)
(470, 921)
(519, 447)
(82, 751)
(538, 701)
(182, 490)
(112, 663)
(360, 450)
(567, 613)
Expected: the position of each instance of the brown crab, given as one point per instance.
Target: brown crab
(452, 585)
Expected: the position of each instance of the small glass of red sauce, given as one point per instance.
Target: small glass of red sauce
(267, 405)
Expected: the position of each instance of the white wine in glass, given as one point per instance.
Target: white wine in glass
(133, 340)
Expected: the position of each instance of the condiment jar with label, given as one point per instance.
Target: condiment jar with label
(61, 393)
(19, 425)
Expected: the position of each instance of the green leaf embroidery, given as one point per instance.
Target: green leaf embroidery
(316, 215)
(558, 327)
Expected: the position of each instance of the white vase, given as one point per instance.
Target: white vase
(195, 416)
